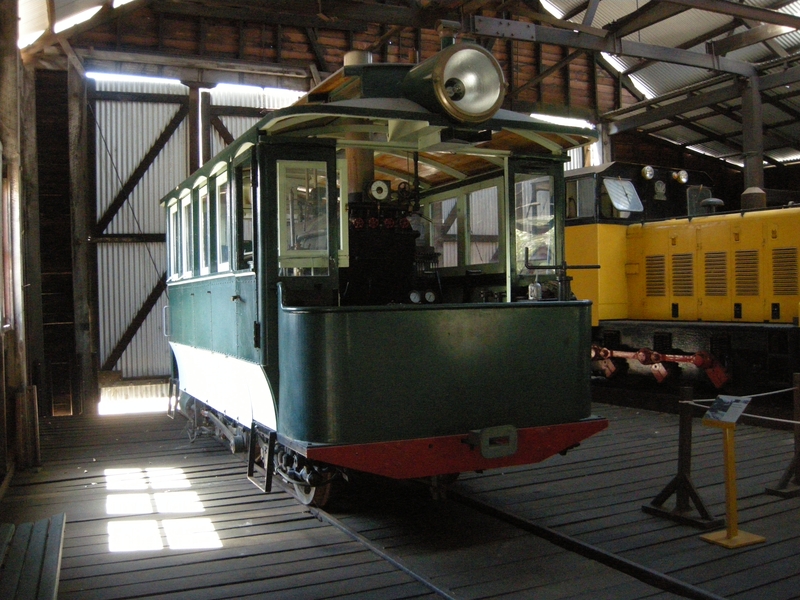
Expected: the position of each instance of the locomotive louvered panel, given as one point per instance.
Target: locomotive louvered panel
(716, 270)
(746, 272)
(682, 275)
(784, 271)
(656, 275)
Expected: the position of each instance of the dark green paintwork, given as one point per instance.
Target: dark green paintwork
(216, 313)
(354, 375)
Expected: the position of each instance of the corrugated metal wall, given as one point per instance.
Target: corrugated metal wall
(263, 98)
(128, 272)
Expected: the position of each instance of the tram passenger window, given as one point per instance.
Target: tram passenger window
(187, 236)
(204, 227)
(174, 242)
(244, 217)
(533, 211)
(484, 226)
(223, 248)
(444, 228)
(303, 218)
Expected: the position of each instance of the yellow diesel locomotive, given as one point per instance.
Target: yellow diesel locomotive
(689, 286)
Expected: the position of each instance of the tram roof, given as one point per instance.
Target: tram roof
(396, 128)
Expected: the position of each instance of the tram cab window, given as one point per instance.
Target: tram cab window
(580, 198)
(483, 209)
(174, 242)
(618, 198)
(303, 218)
(223, 237)
(187, 236)
(465, 228)
(534, 215)
(244, 217)
(204, 226)
(444, 226)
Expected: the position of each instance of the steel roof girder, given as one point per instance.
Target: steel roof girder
(507, 28)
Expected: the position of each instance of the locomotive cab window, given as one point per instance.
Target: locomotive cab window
(619, 198)
(580, 198)
(303, 218)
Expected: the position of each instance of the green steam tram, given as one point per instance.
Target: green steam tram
(373, 280)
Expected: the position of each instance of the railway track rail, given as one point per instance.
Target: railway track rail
(646, 575)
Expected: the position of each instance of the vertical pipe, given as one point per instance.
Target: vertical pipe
(360, 162)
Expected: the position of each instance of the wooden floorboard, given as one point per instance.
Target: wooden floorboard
(269, 545)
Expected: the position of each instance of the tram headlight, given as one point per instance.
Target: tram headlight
(463, 79)
(648, 172)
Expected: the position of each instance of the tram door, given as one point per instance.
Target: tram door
(299, 227)
(246, 296)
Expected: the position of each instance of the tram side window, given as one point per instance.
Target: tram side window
(303, 218)
(244, 217)
(534, 217)
(187, 236)
(204, 227)
(444, 226)
(484, 226)
(174, 242)
(223, 243)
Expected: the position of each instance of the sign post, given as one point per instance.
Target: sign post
(723, 414)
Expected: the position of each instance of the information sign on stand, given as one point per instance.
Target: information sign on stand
(723, 414)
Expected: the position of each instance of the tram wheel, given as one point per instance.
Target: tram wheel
(316, 495)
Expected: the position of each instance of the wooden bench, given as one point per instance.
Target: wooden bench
(30, 558)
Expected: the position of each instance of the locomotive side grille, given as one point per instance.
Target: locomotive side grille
(656, 275)
(682, 275)
(716, 274)
(784, 271)
(746, 272)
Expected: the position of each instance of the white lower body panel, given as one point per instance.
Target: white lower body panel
(237, 388)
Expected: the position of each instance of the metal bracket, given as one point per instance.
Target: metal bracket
(494, 442)
(172, 397)
(264, 479)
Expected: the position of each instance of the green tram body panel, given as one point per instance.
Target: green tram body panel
(357, 375)
(216, 314)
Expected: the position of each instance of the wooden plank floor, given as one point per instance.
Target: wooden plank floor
(595, 493)
(150, 514)
(126, 482)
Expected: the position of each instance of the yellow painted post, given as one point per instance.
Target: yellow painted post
(730, 537)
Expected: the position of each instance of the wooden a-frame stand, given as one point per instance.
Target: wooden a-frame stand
(681, 485)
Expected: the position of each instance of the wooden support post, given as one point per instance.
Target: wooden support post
(731, 536)
(681, 485)
(34, 320)
(83, 220)
(789, 484)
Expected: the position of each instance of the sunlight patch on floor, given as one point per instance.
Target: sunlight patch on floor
(172, 497)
